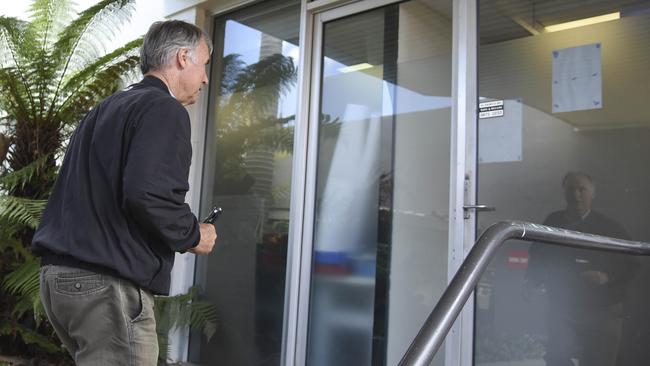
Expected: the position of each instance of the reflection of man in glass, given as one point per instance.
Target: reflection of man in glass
(585, 287)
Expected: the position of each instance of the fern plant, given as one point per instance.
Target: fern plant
(53, 69)
(181, 311)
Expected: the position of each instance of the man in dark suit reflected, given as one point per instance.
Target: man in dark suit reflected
(585, 288)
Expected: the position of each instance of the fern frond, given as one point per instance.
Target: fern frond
(8, 242)
(20, 178)
(22, 210)
(88, 95)
(204, 315)
(47, 18)
(14, 97)
(24, 279)
(14, 31)
(90, 71)
(181, 311)
(24, 283)
(20, 47)
(30, 336)
(81, 30)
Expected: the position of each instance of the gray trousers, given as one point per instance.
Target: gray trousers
(101, 319)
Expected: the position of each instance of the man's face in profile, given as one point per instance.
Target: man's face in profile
(194, 75)
(578, 192)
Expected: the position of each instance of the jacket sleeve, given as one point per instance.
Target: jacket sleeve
(155, 176)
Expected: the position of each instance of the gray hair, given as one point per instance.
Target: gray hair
(164, 39)
(575, 175)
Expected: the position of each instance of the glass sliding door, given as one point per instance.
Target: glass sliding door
(569, 149)
(247, 171)
(381, 205)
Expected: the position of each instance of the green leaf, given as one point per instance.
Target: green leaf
(89, 94)
(82, 77)
(48, 17)
(30, 336)
(22, 210)
(181, 311)
(19, 49)
(52, 70)
(24, 282)
(20, 178)
(14, 95)
(90, 28)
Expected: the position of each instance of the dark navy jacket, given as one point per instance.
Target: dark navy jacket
(118, 205)
(560, 268)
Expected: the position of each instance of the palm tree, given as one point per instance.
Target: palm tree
(53, 69)
(248, 97)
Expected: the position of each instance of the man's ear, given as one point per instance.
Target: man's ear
(183, 57)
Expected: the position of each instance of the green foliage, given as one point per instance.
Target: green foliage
(21, 210)
(53, 69)
(30, 336)
(17, 180)
(24, 283)
(247, 114)
(181, 311)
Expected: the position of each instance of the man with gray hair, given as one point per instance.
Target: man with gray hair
(586, 288)
(117, 214)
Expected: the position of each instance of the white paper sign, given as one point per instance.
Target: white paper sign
(500, 137)
(577, 78)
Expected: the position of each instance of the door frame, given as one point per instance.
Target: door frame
(463, 169)
(459, 345)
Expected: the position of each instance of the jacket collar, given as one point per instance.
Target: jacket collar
(155, 82)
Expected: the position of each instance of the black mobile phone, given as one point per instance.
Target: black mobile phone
(213, 216)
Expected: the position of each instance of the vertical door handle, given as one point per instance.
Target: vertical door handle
(468, 208)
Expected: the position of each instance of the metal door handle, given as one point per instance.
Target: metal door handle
(468, 208)
(479, 208)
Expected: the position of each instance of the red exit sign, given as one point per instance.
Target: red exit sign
(518, 259)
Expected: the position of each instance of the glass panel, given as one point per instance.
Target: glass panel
(381, 221)
(565, 143)
(248, 173)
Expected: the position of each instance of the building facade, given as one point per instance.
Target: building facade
(359, 147)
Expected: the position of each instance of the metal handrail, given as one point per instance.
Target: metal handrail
(435, 328)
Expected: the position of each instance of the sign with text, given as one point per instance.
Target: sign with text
(490, 109)
(518, 259)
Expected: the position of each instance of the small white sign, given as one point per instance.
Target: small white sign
(491, 109)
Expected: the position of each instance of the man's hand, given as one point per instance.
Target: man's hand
(208, 238)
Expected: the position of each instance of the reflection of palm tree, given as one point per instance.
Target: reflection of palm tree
(247, 116)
